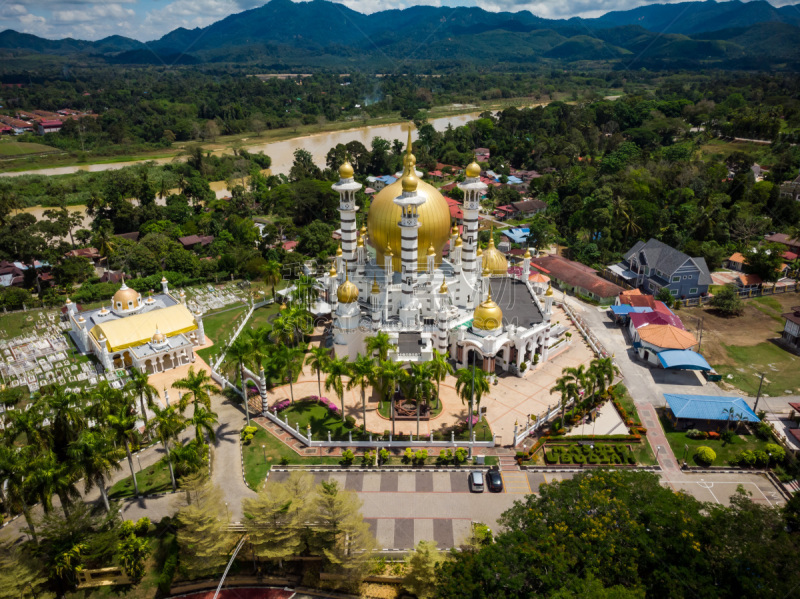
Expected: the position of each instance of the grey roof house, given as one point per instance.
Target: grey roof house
(654, 265)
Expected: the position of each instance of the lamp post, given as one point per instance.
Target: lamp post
(658, 451)
(264, 449)
(227, 514)
(139, 459)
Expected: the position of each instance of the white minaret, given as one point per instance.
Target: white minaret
(361, 258)
(457, 255)
(441, 319)
(182, 296)
(473, 190)
(548, 302)
(164, 285)
(526, 264)
(347, 188)
(409, 202)
(375, 305)
(201, 331)
(431, 262)
(333, 285)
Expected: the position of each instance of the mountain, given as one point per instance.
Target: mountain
(323, 34)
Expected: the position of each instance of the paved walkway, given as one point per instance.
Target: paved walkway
(607, 422)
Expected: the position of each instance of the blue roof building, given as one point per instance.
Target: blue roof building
(709, 407)
(518, 235)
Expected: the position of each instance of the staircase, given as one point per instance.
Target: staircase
(508, 463)
(792, 487)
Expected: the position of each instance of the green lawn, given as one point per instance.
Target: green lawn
(22, 148)
(678, 441)
(320, 418)
(771, 307)
(385, 410)
(154, 479)
(782, 369)
(482, 432)
(218, 326)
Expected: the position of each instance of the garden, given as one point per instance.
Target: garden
(600, 453)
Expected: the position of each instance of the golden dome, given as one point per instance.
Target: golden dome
(488, 315)
(339, 250)
(158, 336)
(360, 241)
(549, 290)
(479, 252)
(389, 252)
(409, 182)
(473, 169)
(384, 214)
(494, 260)
(443, 288)
(459, 241)
(375, 288)
(431, 251)
(363, 230)
(454, 230)
(124, 295)
(332, 273)
(346, 170)
(528, 253)
(347, 292)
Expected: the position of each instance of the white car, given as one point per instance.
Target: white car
(476, 482)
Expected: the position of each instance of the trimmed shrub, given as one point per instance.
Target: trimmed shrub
(704, 456)
(762, 459)
(350, 421)
(460, 455)
(408, 456)
(384, 455)
(693, 433)
(420, 456)
(745, 459)
(348, 456)
(551, 457)
(777, 452)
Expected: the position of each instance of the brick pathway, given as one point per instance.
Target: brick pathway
(657, 438)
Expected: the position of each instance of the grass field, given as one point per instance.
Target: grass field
(779, 366)
(154, 479)
(678, 442)
(10, 149)
(720, 149)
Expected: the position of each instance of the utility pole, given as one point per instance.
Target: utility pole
(700, 340)
(758, 395)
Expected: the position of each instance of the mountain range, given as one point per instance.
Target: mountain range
(320, 33)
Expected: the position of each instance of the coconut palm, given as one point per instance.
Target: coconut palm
(416, 383)
(271, 271)
(67, 418)
(187, 457)
(166, 425)
(338, 368)
(318, 358)
(471, 385)
(204, 421)
(288, 360)
(139, 386)
(96, 456)
(122, 425)
(199, 384)
(239, 351)
(15, 475)
(439, 368)
(569, 390)
(362, 375)
(390, 372)
(379, 344)
(602, 372)
(261, 348)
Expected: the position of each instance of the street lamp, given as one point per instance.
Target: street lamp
(658, 451)
(264, 449)
(227, 515)
(139, 459)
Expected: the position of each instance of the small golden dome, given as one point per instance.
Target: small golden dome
(347, 292)
(363, 230)
(443, 288)
(479, 252)
(163, 279)
(389, 251)
(283, 306)
(332, 273)
(528, 254)
(494, 260)
(410, 183)
(360, 241)
(69, 301)
(488, 316)
(339, 250)
(454, 230)
(459, 241)
(549, 290)
(431, 251)
(375, 288)
(81, 318)
(346, 170)
(486, 272)
(158, 336)
(473, 169)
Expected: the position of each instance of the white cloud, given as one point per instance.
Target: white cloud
(95, 13)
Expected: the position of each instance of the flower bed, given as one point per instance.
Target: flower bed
(278, 406)
(586, 454)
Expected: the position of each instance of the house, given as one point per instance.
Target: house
(49, 126)
(456, 211)
(577, 278)
(736, 261)
(289, 246)
(714, 411)
(516, 235)
(132, 236)
(436, 174)
(503, 212)
(189, 241)
(655, 338)
(112, 276)
(791, 328)
(791, 189)
(793, 245)
(11, 273)
(655, 265)
(642, 301)
(528, 207)
(481, 154)
(745, 282)
(378, 183)
(644, 319)
(759, 172)
(89, 253)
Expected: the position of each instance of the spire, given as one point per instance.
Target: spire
(408, 145)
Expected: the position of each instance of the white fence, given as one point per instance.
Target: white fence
(593, 341)
(538, 423)
(239, 329)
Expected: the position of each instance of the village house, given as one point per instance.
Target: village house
(88, 253)
(793, 245)
(736, 261)
(791, 326)
(791, 189)
(528, 208)
(189, 241)
(577, 278)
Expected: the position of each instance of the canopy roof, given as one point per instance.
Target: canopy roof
(643, 320)
(666, 336)
(683, 359)
(709, 407)
(623, 309)
(139, 328)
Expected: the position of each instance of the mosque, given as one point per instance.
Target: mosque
(155, 334)
(391, 276)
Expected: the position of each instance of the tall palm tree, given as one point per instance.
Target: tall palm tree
(439, 368)
(204, 421)
(272, 273)
(379, 344)
(569, 390)
(199, 384)
(471, 385)
(283, 329)
(67, 417)
(187, 457)
(288, 360)
(166, 425)
(581, 379)
(103, 400)
(602, 371)
(239, 351)
(362, 375)
(122, 425)
(417, 385)
(96, 456)
(261, 348)
(390, 373)
(139, 386)
(318, 358)
(16, 475)
(338, 368)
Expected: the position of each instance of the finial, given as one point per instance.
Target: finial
(389, 250)
(408, 145)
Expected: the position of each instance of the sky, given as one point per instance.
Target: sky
(150, 19)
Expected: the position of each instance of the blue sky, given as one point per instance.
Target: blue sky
(150, 19)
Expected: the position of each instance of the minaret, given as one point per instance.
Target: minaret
(182, 295)
(457, 255)
(473, 190)
(548, 302)
(339, 259)
(164, 285)
(333, 285)
(441, 319)
(409, 202)
(526, 264)
(375, 305)
(361, 257)
(347, 188)
(431, 261)
(388, 256)
(201, 331)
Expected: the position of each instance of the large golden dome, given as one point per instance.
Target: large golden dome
(493, 259)
(488, 316)
(384, 214)
(126, 298)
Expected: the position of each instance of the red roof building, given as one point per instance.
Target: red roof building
(578, 278)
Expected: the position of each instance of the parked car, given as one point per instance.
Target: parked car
(476, 481)
(494, 481)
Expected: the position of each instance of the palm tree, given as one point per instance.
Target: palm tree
(261, 348)
(390, 372)
(103, 400)
(67, 417)
(581, 379)
(272, 274)
(602, 372)
(104, 242)
(471, 385)
(167, 425)
(122, 425)
(338, 368)
(199, 384)
(287, 360)
(362, 374)
(418, 385)
(379, 343)
(729, 415)
(439, 369)
(204, 421)
(15, 474)
(318, 358)
(239, 351)
(96, 456)
(140, 387)
(568, 390)
(187, 457)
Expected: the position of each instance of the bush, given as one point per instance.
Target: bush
(248, 433)
(745, 459)
(763, 431)
(348, 456)
(704, 456)
(143, 525)
(408, 456)
(460, 455)
(762, 459)
(693, 433)
(350, 421)
(384, 455)
(420, 456)
(726, 437)
(368, 459)
(776, 452)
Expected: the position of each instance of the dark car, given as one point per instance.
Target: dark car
(494, 481)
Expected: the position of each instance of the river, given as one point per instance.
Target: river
(282, 152)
